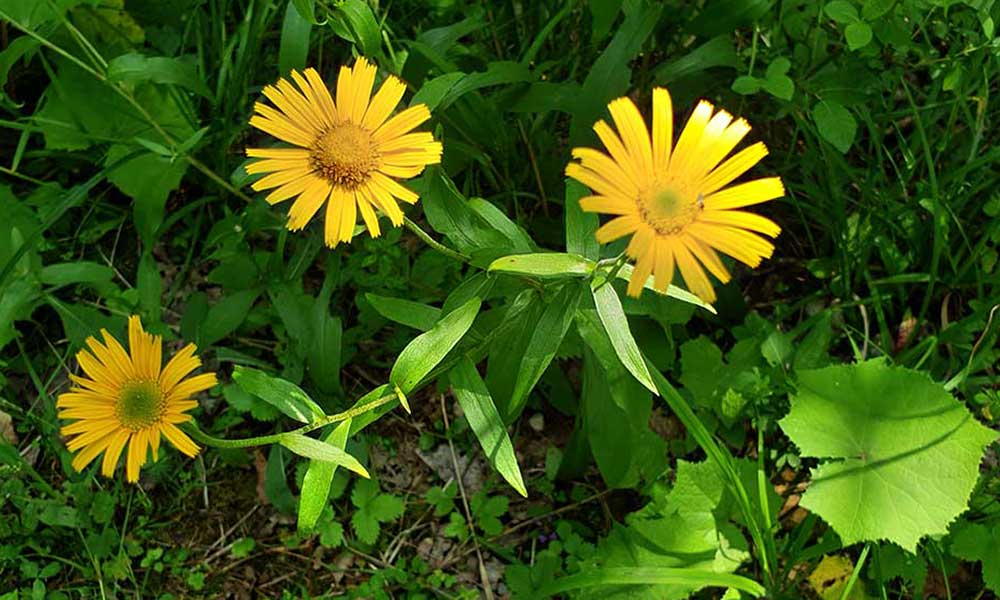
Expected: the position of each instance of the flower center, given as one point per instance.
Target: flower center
(669, 207)
(345, 155)
(140, 404)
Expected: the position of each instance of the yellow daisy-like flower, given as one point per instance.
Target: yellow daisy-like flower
(674, 201)
(350, 152)
(126, 398)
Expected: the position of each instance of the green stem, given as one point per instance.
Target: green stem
(857, 570)
(276, 438)
(423, 235)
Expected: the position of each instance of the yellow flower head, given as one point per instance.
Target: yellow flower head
(674, 201)
(127, 399)
(349, 152)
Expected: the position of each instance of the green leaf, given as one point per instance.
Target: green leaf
(316, 483)
(835, 123)
(323, 355)
(906, 453)
(716, 52)
(609, 308)
(293, 50)
(407, 312)
(615, 410)
(580, 226)
(245, 402)
(225, 316)
(322, 451)
(307, 10)
(275, 482)
(421, 355)
(545, 341)
(363, 25)
(625, 273)
(979, 542)
(873, 9)
(373, 508)
(283, 395)
(133, 68)
(603, 14)
(610, 74)
(746, 85)
(858, 35)
(519, 240)
(544, 265)
(148, 179)
(688, 578)
(444, 90)
(841, 11)
(75, 272)
(485, 421)
(150, 286)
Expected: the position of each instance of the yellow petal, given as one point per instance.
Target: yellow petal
(307, 204)
(281, 153)
(279, 178)
(734, 166)
(746, 194)
(292, 135)
(616, 228)
(348, 217)
(114, 450)
(364, 79)
(316, 110)
(609, 170)
(607, 205)
(402, 123)
(322, 95)
(694, 277)
(617, 151)
(345, 93)
(633, 133)
(707, 257)
(643, 269)
(178, 367)
(331, 230)
(664, 269)
(690, 137)
(136, 456)
(190, 387)
(384, 201)
(292, 188)
(179, 439)
(743, 220)
(368, 214)
(385, 100)
(390, 186)
(663, 129)
(88, 454)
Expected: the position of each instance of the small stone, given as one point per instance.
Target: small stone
(537, 422)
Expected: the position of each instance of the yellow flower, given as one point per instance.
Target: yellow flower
(675, 202)
(128, 399)
(349, 152)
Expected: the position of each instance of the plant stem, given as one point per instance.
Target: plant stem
(276, 438)
(423, 235)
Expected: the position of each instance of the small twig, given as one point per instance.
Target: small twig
(229, 531)
(483, 575)
(557, 511)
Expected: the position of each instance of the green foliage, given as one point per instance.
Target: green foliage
(125, 192)
(372, 509)
(908, 452)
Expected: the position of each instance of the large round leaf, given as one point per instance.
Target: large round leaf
(904, 453)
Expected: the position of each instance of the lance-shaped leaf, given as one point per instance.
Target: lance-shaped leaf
(906, 453)
(424, 353)
(545, 341)
(609, 308)
(483, 417)
(283, 395)
(544, 265)
(319, 450)
(316, 484)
